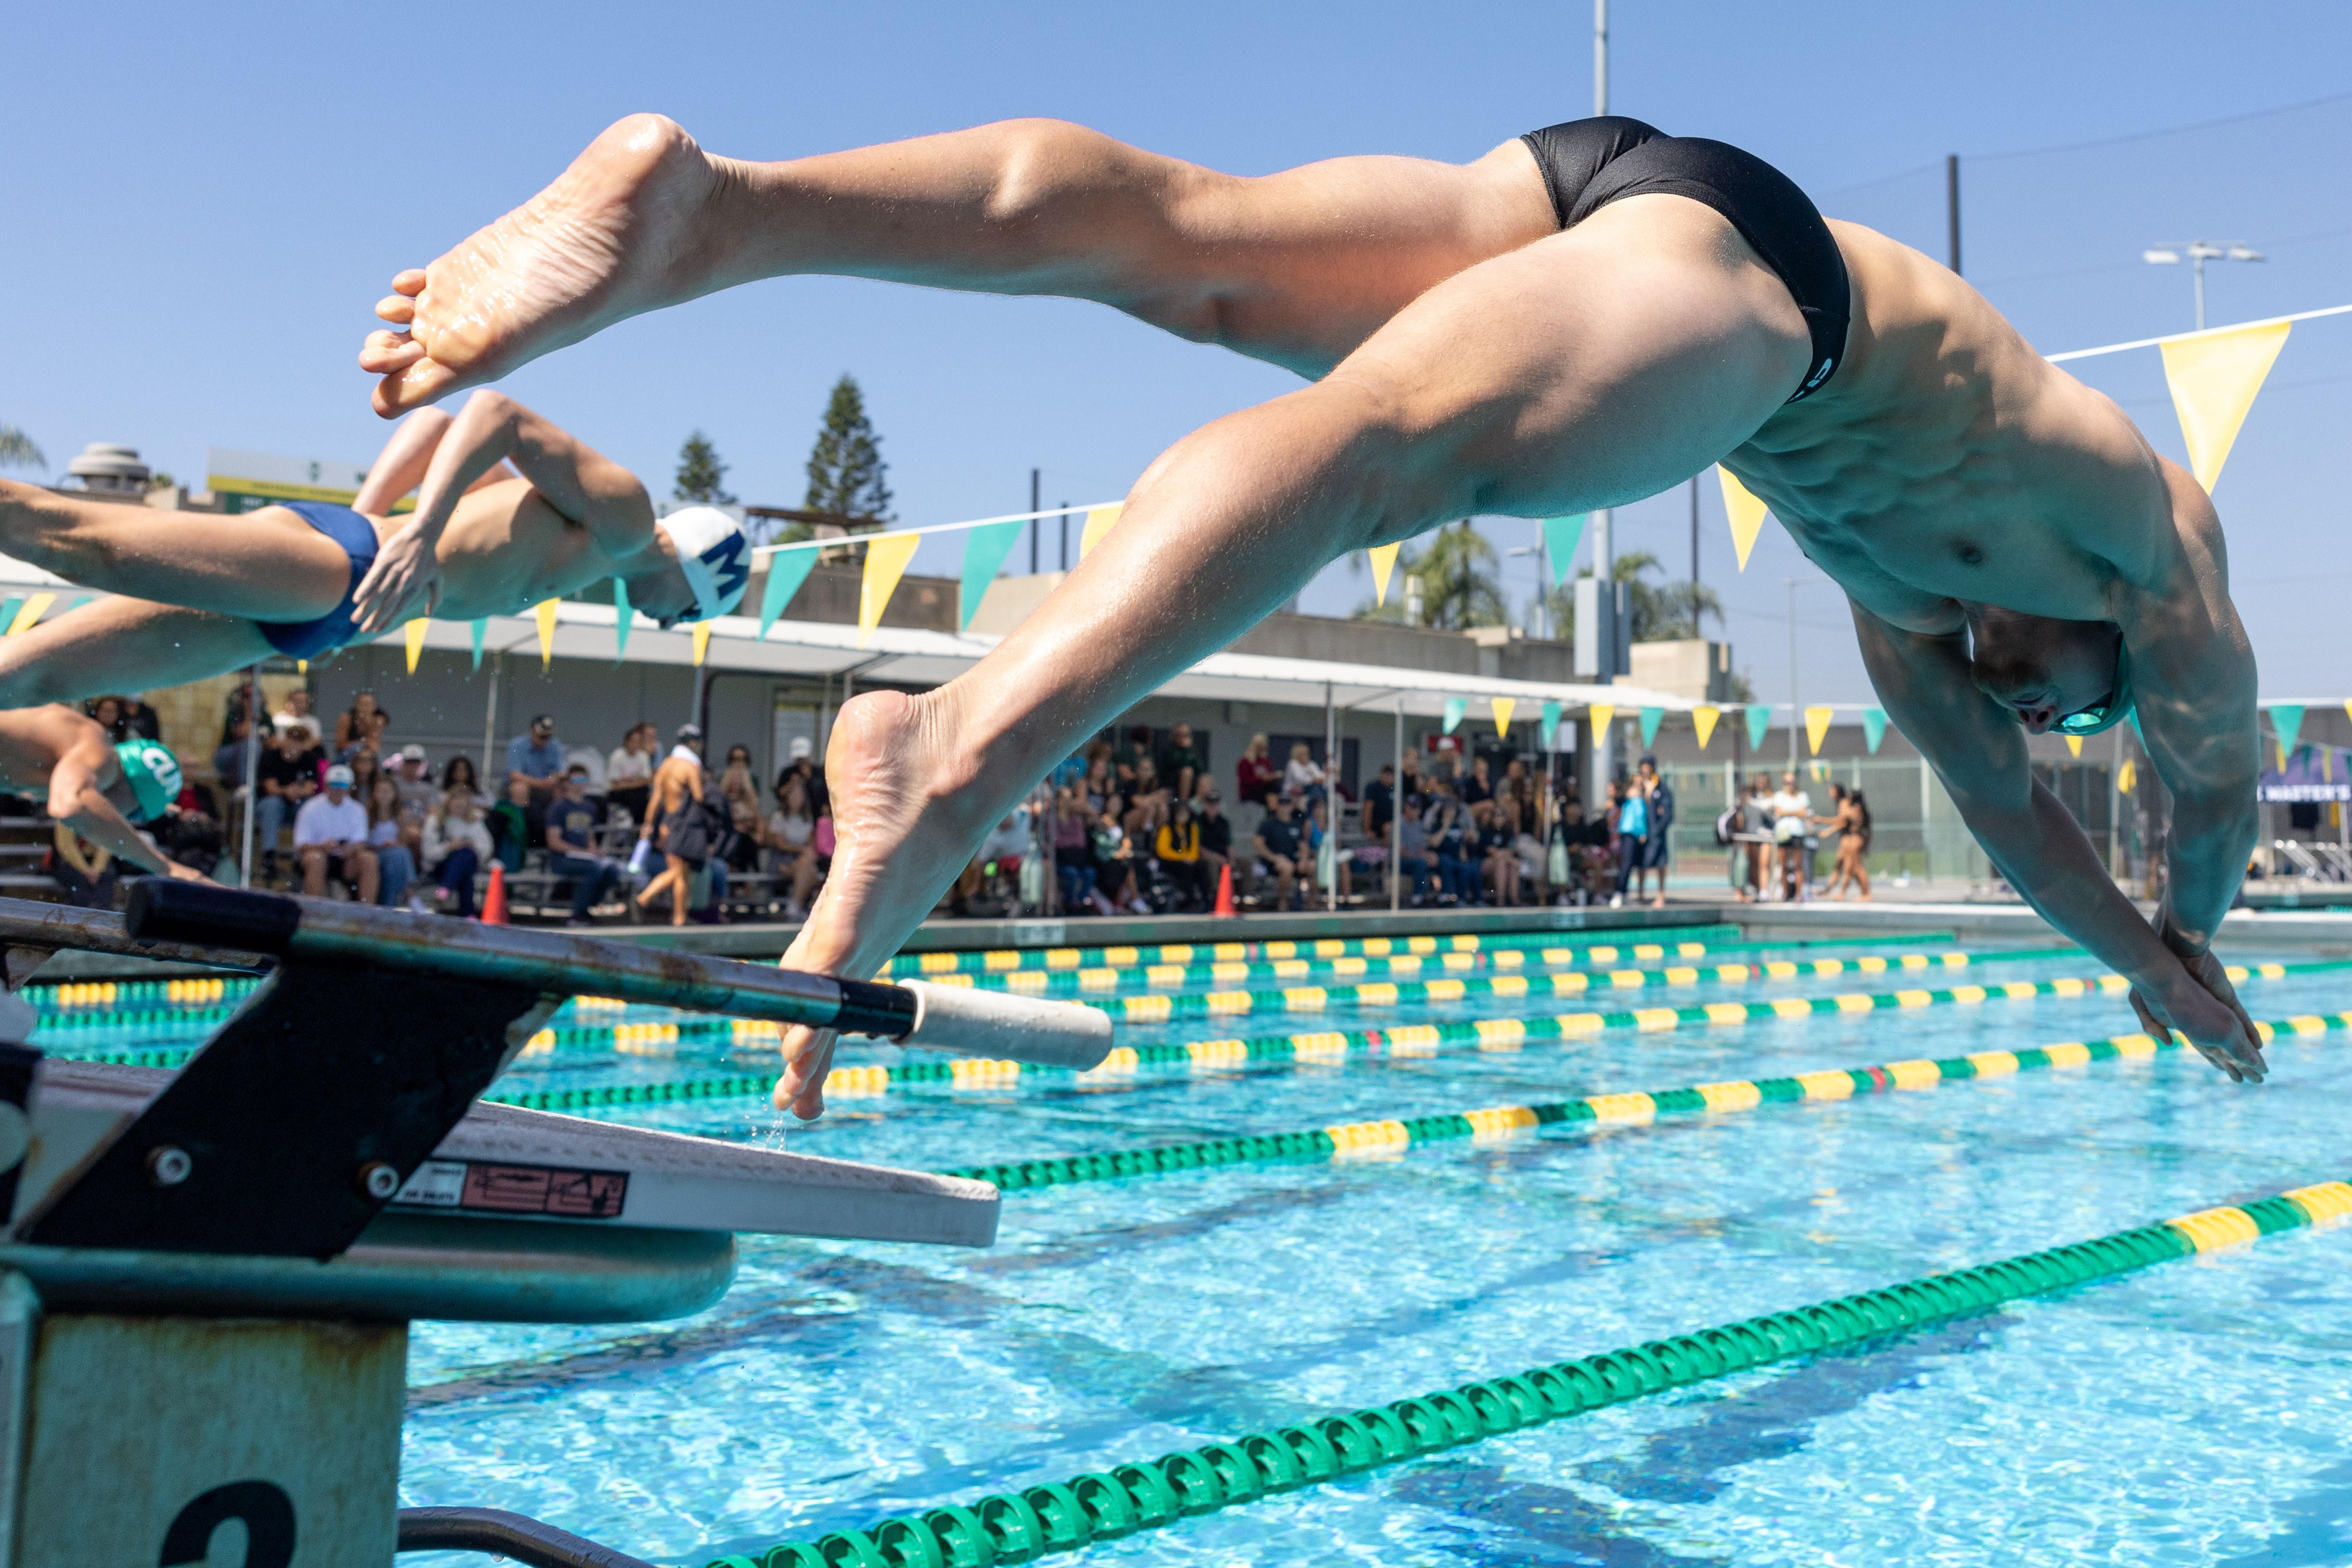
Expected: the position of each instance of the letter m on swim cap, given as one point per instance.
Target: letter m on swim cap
(730, 560)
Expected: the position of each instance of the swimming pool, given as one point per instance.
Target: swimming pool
(2194, 1412)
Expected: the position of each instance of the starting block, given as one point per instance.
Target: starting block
(207, 1277)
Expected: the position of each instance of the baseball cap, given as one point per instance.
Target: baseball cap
(689, 732)
(802, 747)
(412, 752)
(338, 777)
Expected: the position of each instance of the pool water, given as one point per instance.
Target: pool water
(2193, 1413)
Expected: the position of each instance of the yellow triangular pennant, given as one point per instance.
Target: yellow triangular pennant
(701, 642)
(1503, 706)
(2214, 378)
(2128, 777)
(886, 555)
(1601, 713)
(414, 631)
(30, 616)
(2075, 744)
(1747, 514)
(545, 616)
(1703, 719)
(1098, 523)
(1817, 727)
(1383, 562)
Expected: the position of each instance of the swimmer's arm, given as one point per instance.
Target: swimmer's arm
(76, 801)
(400, 467)
(1978, 749)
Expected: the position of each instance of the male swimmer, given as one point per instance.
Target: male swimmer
(1587, 315)
(100, 789)
(510, 510)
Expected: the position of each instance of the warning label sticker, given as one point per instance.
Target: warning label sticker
(516, 1189)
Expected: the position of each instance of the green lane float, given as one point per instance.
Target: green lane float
(1358, 1138)
(931, 966)
(1103, 1505)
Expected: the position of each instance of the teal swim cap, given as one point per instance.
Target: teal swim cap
(154, 775)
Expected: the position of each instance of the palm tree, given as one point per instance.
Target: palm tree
(1458, 587)
(17, 450)
(1668, 614)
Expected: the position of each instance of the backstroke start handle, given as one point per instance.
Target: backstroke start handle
(993, 1024)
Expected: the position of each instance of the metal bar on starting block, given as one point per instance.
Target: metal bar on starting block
(995, 1024)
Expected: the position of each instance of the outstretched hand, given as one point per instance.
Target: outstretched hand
(404, 581)
(2205, 1010)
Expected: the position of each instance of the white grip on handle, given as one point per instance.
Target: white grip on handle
(1014, 1029)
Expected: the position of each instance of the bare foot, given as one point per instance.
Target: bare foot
(906, 818)
(616, 235)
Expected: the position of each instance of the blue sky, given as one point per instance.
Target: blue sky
(201, 205)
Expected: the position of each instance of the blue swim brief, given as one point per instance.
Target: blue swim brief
(309, 639)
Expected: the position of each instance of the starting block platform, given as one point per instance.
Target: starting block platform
(208, 1273)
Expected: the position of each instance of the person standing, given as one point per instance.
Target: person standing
(675, 824)
(1656, 851)
(1632, 835)
(1792, 812)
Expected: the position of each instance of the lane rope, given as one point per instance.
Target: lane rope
(1104, 1505)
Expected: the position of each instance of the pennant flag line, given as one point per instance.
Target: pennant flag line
(414, 633)
(1817, 727)
(701, 642)
(1650, 718)
(8, 608)
(1383, 557)
(1759, 720)
(2214, 380)
(483, 625)
(1702, 718)
(35, 608)
(1746, 512)
(787, 569)
(1503, 707)
(2074, 745)
(1099, 521)
(2286, 728)
(545, 614)
(984, 550)
(1603, 713)
(1873, 728)
(1455, 708)
(2128, 776)
(1550, 725)
(625, 616)
(886, 555)
(1561, 535)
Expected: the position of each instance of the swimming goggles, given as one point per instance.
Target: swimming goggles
(2110, 710)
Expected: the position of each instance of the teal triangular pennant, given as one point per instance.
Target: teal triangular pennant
(1650, 717)
(1873, 728)
(479, 628)
(1453, 709)
(984, 550)
(1759, 719)
(787, 569)
(623, 618)
(2286, 719)
(1550, 723)
(1561, 535)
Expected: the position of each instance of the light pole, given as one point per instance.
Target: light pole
(2168, 252)
(1541, 619)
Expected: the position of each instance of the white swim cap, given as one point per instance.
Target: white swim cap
(715, 556)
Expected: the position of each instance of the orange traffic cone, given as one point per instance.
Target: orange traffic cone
(1225, 889)
(494, 902)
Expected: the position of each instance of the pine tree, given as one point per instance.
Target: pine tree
(700, 473)
(845, 468)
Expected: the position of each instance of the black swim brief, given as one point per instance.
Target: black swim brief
(1588, 164)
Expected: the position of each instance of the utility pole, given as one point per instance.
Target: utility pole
(1065, 534)
(1034, 522)
(1952, 206)
(1795, 709)
(1694, 495)
(1600, 57)
(1604, 555)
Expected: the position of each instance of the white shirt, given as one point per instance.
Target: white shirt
(625, 767)
(1786, 805)
(322, 821)
(1301, 775)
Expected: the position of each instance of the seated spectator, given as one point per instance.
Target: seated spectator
(1000, 856)
(233, 755)
(1256, 778)
(1380, 798)
(1179, 761)
(1473, 787)
(1457, 858)
(1216, 840)
(107, 713)
(791, 840)
(140, 722)
(1147, 803)
(1497, 851)
(572, 847)
(366, 768)
(1127, 753)
(458, 773)
(414, 781)
(190, 829)
(296, 710)
(591, 762)
(1177, 847)
(629, 771)
(510, 826)
(331, 834)
(1328, 866)
(740, 791)
(456, 846)
(395, 838)
(1277, 846)
(1415, 860)
(356, 723)
(1303, 778)
(1073, 862)
(535, 758)
(288, 778)
(1113, 854)
(82, 871)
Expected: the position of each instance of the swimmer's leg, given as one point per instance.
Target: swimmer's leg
(266, 565)
(123, 645)
(1592, 368)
